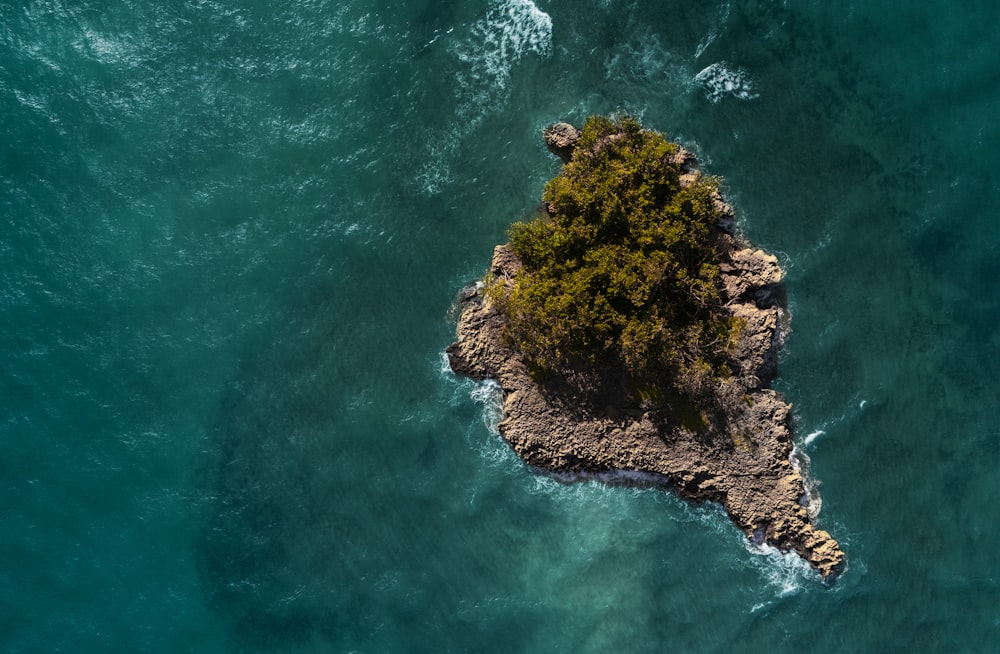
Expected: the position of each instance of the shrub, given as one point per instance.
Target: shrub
(624, 269)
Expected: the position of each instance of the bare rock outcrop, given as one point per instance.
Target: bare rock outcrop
(740, 457)
(561, 139)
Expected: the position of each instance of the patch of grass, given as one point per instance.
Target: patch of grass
(741, 441)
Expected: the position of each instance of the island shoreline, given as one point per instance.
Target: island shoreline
(743, 459)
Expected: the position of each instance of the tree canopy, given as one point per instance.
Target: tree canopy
(624, 269)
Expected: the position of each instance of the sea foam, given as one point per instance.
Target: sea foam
(786, 572)
(719, 80)
(511, 29)
(489, 394)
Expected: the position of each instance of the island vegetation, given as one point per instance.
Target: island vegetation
(623, 270)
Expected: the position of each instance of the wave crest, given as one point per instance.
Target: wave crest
(719, 80)
(510, 30)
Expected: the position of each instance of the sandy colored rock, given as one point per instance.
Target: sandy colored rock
(561, 139)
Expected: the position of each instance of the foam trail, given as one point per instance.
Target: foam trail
(488, 394)
(510, 30)
(713, 33)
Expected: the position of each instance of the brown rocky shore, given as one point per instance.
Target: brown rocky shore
(739, 457)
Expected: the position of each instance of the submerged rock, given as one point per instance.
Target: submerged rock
(737, 452)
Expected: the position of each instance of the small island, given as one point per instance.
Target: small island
(633, 335)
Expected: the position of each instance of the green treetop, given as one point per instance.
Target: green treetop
(624, 269)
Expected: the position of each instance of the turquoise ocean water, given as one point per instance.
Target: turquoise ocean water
(230, 235)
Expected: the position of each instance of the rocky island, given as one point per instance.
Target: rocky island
(632, 331)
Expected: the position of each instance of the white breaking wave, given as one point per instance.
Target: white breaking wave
(719, 80)
(489, 394)
(808, 440)
(444, 365)
(510, 30)
(487, 55)
(787, 572)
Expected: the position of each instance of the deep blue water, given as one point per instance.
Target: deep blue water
(231, 234)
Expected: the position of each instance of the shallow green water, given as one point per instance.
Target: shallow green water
(231, 234)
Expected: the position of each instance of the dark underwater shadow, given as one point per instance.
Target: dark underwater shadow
(263, 499)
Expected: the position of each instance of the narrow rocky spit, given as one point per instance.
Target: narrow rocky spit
(742, 458)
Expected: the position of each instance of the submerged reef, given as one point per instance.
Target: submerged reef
(616, 373)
